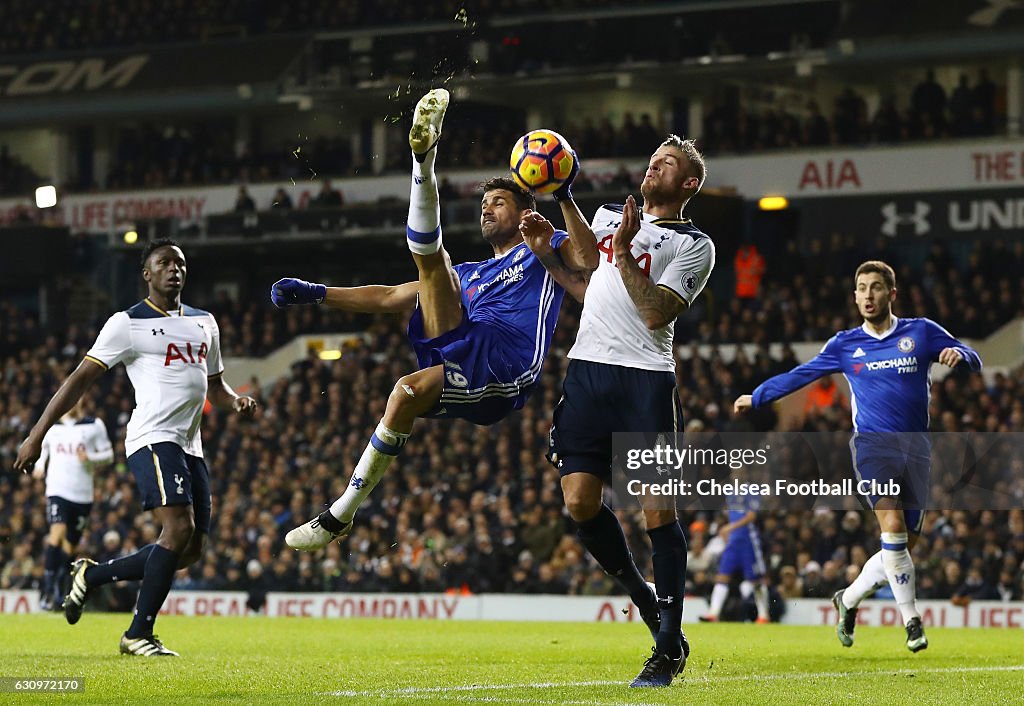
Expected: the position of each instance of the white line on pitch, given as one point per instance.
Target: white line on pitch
(451, 691)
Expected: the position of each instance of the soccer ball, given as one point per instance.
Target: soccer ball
(541, 161)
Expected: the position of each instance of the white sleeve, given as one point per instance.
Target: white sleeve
(114, 344)
(99, 449)
(214, 363)
(689, 270)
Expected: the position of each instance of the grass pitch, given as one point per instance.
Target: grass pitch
(316, 661)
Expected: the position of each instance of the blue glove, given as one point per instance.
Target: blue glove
(564, 193)
(290, 291)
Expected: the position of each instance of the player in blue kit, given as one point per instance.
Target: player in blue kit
(742, 555)
(480, 330)
(886, 362)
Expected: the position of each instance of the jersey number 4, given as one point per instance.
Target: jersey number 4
(644, 261)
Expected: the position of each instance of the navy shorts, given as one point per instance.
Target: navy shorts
(599, 400)
(903, 458)
(482, 383)
(166, 475)
(742, 556)
(74, 515)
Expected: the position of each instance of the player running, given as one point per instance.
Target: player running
(742, 554)
(172, 354)
(648, 266)
(480, 330)
(71, 452)
(886, 362)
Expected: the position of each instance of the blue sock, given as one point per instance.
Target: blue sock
(669, 545)
(156, 582)
(602, 536)
(125, 568)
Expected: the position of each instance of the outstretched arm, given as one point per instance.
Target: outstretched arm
(825, 363)
(537, 233)
(87, 372)
(582, 253)
(371, 299)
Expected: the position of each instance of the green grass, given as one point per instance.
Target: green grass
(316, 661)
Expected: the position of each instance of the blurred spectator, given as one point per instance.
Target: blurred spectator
(244, 202)
(750, 268)
(327, 197)
(281, 201)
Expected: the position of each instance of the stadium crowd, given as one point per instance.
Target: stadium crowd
(469, 509)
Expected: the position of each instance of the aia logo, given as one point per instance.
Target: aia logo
(186, 354)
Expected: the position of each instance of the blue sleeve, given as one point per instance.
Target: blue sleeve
(940, 339)
(825, 363)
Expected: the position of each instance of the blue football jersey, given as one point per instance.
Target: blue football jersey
(888, 373)
(738, 507)
(515, 294)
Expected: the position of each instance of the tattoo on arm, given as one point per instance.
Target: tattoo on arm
(574, 282)
(657, 307)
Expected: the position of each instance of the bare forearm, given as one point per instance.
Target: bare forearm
(220, 393)
(583, 255)
(655, 306)
(371, 299)
(575, 283)
(66, 397)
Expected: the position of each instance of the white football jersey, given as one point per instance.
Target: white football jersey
(168, 356)
(66, 475)
(675, 255)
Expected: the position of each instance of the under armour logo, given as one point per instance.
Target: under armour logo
(358, 482)
(902, 578)
(158, 330)
(918, 218)
(178, 480)
(988, 16)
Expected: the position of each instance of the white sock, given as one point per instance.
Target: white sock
(718, 595)
(423, 229)
(746, 588)
(871, 578)
(899, 569)
(761, 600)
(384, 446)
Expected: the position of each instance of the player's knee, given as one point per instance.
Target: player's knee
(658, 517)
(58, 533)
(403, 396)
(582, 506)
(176, 534)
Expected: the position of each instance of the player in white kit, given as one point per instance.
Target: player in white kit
(172, 354)
(72, 451)
(647, 266)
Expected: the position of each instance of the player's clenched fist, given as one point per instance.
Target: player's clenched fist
(291, 291)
